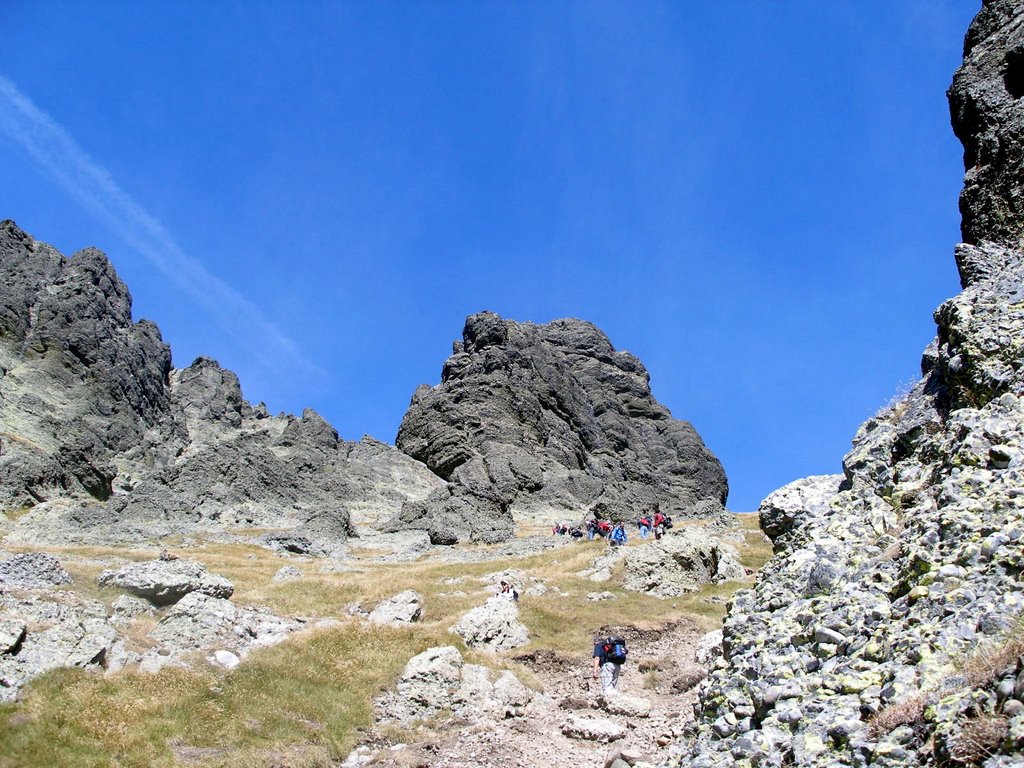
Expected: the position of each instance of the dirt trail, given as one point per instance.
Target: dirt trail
(659, 659)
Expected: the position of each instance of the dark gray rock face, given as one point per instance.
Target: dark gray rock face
(549, 419)
(105, 442)
(79, 382)
(884, 588)
(988, 118)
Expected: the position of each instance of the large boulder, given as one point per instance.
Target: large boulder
(200, 621)
(493, 626)
(680, 563)
(438, 680)
(403, 608)
(548, 420)
(48, 630)
(782, 511)
(164, 582)
(33, 570)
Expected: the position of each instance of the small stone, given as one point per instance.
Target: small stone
(827, 635)
(225, 659)
(1013, 707)
(287, 573)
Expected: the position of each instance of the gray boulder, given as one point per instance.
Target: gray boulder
(46, 631)
(709, 648)
(682, 562)
(164, 582)
(200, 621)
(438, 680)
(12, 631)
(287, 573)
(782, 511)
(33, 569)
(530, 420)
(404, 608)
(493, 626)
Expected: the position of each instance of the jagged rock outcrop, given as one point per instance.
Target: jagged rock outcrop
(985, 107)
(549, 420)
(104, 442)
(886, 629)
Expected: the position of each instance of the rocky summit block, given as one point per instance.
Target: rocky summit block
(164, 582)
(548, 420)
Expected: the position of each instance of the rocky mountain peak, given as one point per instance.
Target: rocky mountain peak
(987, 114)
(549, 420)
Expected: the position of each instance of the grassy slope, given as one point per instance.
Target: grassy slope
(303, 703)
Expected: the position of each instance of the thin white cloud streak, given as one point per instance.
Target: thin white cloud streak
(53, 149)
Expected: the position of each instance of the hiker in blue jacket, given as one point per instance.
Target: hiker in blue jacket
(618, 537)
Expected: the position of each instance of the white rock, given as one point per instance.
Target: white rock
(709, 647)
(225, 659)
(592, 729)
(404, 608)
(494, 626)
(287, 573)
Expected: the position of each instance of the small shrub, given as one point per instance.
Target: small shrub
(906, 712)
(651, 680)
(979, 739)
(984, 665)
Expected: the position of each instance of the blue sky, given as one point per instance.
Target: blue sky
(756, 198)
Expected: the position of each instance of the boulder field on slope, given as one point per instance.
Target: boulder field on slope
(882, 632)
(546, 421)
(102, 441)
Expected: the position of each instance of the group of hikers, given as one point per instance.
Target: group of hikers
(615, 533)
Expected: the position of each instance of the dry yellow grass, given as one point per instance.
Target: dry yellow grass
(302, 703)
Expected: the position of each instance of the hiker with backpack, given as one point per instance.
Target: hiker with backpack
(618, 536)
(591, 528)
(507, 590)
(644, 525)
(659, 523)
(609, 656)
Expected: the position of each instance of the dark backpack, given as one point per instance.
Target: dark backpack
(615, 650)
(668, 522)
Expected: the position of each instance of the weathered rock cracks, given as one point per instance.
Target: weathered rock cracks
(493, 626)
(882, 633)
(438, 680)
(102, 441)
(549, 420)
(164, 582)
(680, 563)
